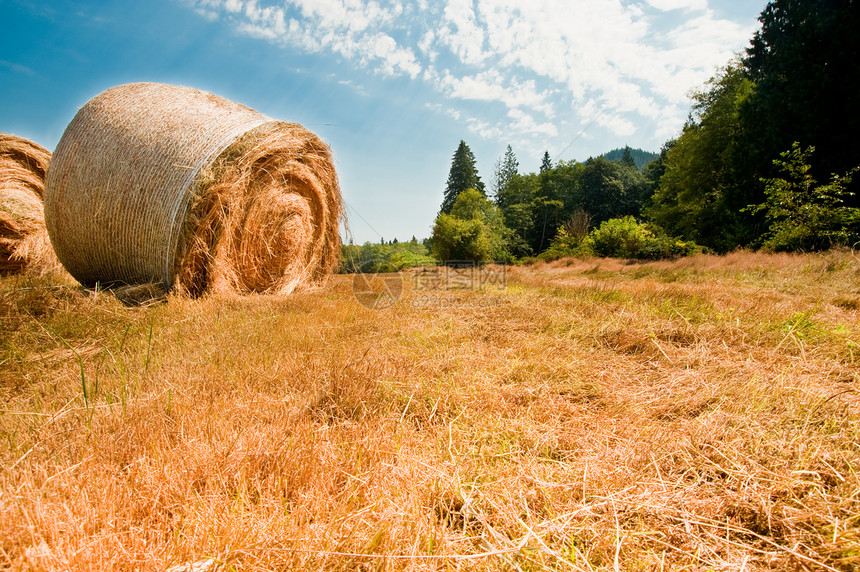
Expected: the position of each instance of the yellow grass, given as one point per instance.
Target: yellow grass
(591, 415)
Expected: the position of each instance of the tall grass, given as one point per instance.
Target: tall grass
(592, 415)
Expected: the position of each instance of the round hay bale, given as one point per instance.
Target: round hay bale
(24, 242)
(172, 186)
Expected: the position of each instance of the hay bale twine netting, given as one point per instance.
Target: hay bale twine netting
(169, 185)
(24, 242)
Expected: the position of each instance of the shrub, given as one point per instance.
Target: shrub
(803, 214)
(565, 244)
(473, 231)
(620, 238)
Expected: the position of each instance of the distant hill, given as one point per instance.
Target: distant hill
(640, 157)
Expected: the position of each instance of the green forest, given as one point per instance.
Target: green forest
(766, 160)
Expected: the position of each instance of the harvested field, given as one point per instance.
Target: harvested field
(581, 415)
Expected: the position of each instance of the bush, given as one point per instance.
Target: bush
(473, 231)
(563, 245)
(460, 239)
(620, 238)
(803, 214)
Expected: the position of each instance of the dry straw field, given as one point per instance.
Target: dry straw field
(586, 415)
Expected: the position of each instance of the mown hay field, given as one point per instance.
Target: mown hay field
(582, 415)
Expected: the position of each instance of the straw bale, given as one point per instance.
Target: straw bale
(24, 242)
(167, 185)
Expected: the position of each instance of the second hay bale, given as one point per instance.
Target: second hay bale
(24, 242)
(160, 184)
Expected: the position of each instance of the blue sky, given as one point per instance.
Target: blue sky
(391, 85)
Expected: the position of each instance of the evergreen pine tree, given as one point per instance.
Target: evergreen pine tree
(463, 175)
(546, 162)
(506, 168)
(803, 61)
(627, 158)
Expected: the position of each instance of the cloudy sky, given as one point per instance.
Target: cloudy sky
(391, 85)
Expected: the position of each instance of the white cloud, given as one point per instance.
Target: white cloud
(490, 85)
(484, 129)
(526, 123)
(207, 14)
(350, 28)
(618, 125)
(461, 32)
(393, 58)
(17, 68)
(425, 45)
(667, 5)
(561, 60)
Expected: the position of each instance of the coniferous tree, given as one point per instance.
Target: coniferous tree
(546, 162)
(463, 175)
(639, 156)
(627, 158)
(506, 168)
(803, 61)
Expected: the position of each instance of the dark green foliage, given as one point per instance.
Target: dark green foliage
(640, 157)
(519, 218)
(803, 214)
(804, 61)
(654, 170)
(516, 203)
(548, 214)
(535, 206)
(610, 189)
(382, 257)
(627, 159)
(473, 230)
(545, 163)
(463, 175)
(798, 82)
(620, 238)
(565, 183)
(700, 194)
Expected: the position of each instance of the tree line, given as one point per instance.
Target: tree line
(766, 159)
